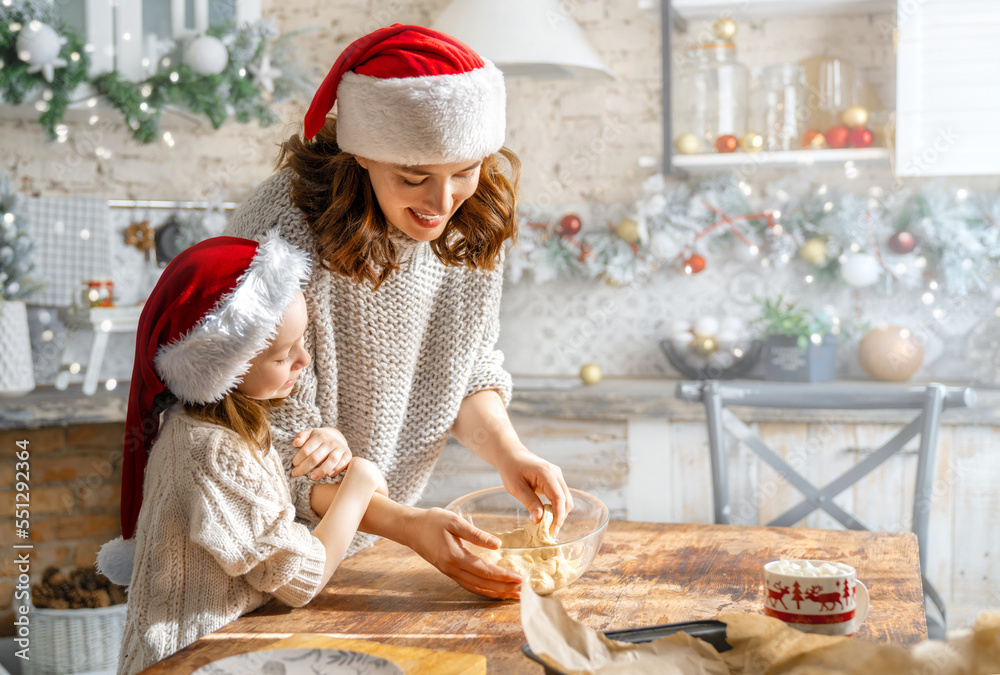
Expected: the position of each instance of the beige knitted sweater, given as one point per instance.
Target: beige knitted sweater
(216, 538)
(390, 367)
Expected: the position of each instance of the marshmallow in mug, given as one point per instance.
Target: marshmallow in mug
(807, 568)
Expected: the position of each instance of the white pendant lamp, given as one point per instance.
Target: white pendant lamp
(524, 38)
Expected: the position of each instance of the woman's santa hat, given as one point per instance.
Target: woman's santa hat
(217, 305)
(411, 95)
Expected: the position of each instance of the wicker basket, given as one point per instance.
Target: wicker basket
(65, 641)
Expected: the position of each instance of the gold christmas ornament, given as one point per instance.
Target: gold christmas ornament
(752, 142)
(724, 28)
(628, 230)
(855, 117)
(141, 236)
(891, 353)
(590, 373)
(704, 345)
(813, 251)
(687, 144)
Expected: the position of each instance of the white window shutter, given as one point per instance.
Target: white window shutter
(948, 87)
(129, 40)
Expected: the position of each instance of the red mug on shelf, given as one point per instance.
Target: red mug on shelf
(815, 596)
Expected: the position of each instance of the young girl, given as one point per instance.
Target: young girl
(220, 342)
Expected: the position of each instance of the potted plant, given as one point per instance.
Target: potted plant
(800, 345)
(16, 368)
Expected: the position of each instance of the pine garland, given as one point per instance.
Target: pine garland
(957, 236)
(16, 83)
(231, 93)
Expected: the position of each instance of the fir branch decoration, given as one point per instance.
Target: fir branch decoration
(17, 84)
(234, 93)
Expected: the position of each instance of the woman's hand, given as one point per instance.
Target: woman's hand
(526, 475)
(438, 535)
(483, 426)
(323, 451)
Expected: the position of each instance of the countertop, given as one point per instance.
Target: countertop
(645, 574)
(614, 398)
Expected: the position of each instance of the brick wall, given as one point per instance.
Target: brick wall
(578, 140)
(75, 486)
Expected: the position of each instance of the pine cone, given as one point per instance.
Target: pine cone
(85, 578)
(117, 593)
(62, 589)
(42, 596)
(49, 573)
(59, 604)
(103, 582)
(102, 598)
(78, 598)
(57, 579)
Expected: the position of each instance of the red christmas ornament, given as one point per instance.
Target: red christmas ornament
(836, 137)
(694, 264)
(812, 140)
(570, 225)
(860, 138)
(902, 242)
(726, 143)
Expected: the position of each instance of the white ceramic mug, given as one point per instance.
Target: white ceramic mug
(815, 596)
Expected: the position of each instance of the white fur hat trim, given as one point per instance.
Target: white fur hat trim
(431, 119)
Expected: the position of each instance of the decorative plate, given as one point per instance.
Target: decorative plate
(301, 662)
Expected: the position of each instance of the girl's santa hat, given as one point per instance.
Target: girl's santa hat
(216, 306)
(411, 95)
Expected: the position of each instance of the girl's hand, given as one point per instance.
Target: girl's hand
(526, 475)
(323, 451)
(437, 536)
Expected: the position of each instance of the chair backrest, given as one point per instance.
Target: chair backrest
(931, 400)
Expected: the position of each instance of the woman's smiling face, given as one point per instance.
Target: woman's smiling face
(420, 200)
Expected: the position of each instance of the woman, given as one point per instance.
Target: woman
(404, 204)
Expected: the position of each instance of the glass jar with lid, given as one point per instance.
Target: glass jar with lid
(778, 106)
(710, 97)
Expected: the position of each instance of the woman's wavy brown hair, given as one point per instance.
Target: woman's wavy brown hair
(249, 418)
(336, 196)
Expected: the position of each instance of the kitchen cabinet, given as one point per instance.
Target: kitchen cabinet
(946, 84)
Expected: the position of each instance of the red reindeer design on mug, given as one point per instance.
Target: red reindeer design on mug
(826, 597)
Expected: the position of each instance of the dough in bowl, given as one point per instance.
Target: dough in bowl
(535, 554)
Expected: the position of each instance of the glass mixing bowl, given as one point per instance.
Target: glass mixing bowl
(548, 567)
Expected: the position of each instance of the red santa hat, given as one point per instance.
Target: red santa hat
(217, 305)
(411, 95)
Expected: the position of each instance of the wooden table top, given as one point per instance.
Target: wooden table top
(644, 574)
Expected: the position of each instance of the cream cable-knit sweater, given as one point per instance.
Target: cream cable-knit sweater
(216, 538)
(390, 367)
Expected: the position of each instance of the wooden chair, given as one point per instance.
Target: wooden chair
(931, 400)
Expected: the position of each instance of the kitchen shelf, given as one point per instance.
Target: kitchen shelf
(780, 159)
(760, 9)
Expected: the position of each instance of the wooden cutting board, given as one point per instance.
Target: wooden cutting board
(413, 660)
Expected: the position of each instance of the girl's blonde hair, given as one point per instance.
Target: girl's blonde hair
(249, 418)
(336, 196)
